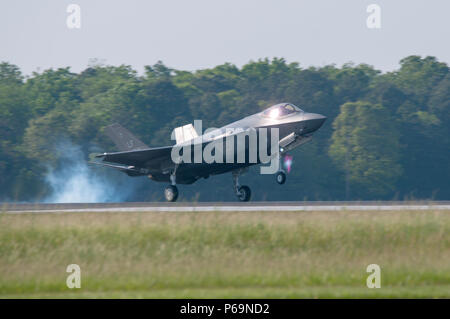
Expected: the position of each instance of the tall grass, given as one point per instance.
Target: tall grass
(223, 254)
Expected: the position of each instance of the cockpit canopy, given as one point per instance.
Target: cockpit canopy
(281, 110)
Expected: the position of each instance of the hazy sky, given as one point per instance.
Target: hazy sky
(195, 34)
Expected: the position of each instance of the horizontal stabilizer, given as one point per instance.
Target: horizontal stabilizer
(130, 170)
(124, 140)
(140, 158)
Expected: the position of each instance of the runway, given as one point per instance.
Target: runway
(25, 208)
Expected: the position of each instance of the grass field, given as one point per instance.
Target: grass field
(226, 254)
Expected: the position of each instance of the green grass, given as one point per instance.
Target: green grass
(226, 254)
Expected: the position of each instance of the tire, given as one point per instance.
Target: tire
(244, 193)
(171, 193)
(281, 177)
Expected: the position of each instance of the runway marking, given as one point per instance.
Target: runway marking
(280, 208)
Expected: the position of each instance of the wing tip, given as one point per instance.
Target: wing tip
(101, 155)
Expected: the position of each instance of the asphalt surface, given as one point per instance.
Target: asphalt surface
(223, 206)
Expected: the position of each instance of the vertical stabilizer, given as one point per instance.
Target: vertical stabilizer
(185, 133)
(124, 140)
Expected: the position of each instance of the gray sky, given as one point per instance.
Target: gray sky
(196, 34)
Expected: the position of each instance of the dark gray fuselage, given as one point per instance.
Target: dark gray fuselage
(301, 124)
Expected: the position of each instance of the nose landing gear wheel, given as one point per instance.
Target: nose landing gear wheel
(244, 193)
(171, 193)
(281, 177)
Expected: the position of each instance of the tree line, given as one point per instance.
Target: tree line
(387, 135)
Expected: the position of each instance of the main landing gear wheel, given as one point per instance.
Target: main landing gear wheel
(244, 193)
(171, 193)
(281, 177)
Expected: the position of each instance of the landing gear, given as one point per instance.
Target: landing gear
(243, 192)
(286, 162)
(171, 193)
(281, 177)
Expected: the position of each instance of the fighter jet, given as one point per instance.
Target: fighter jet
(184, 163)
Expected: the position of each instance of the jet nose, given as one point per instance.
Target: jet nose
(314, 121)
